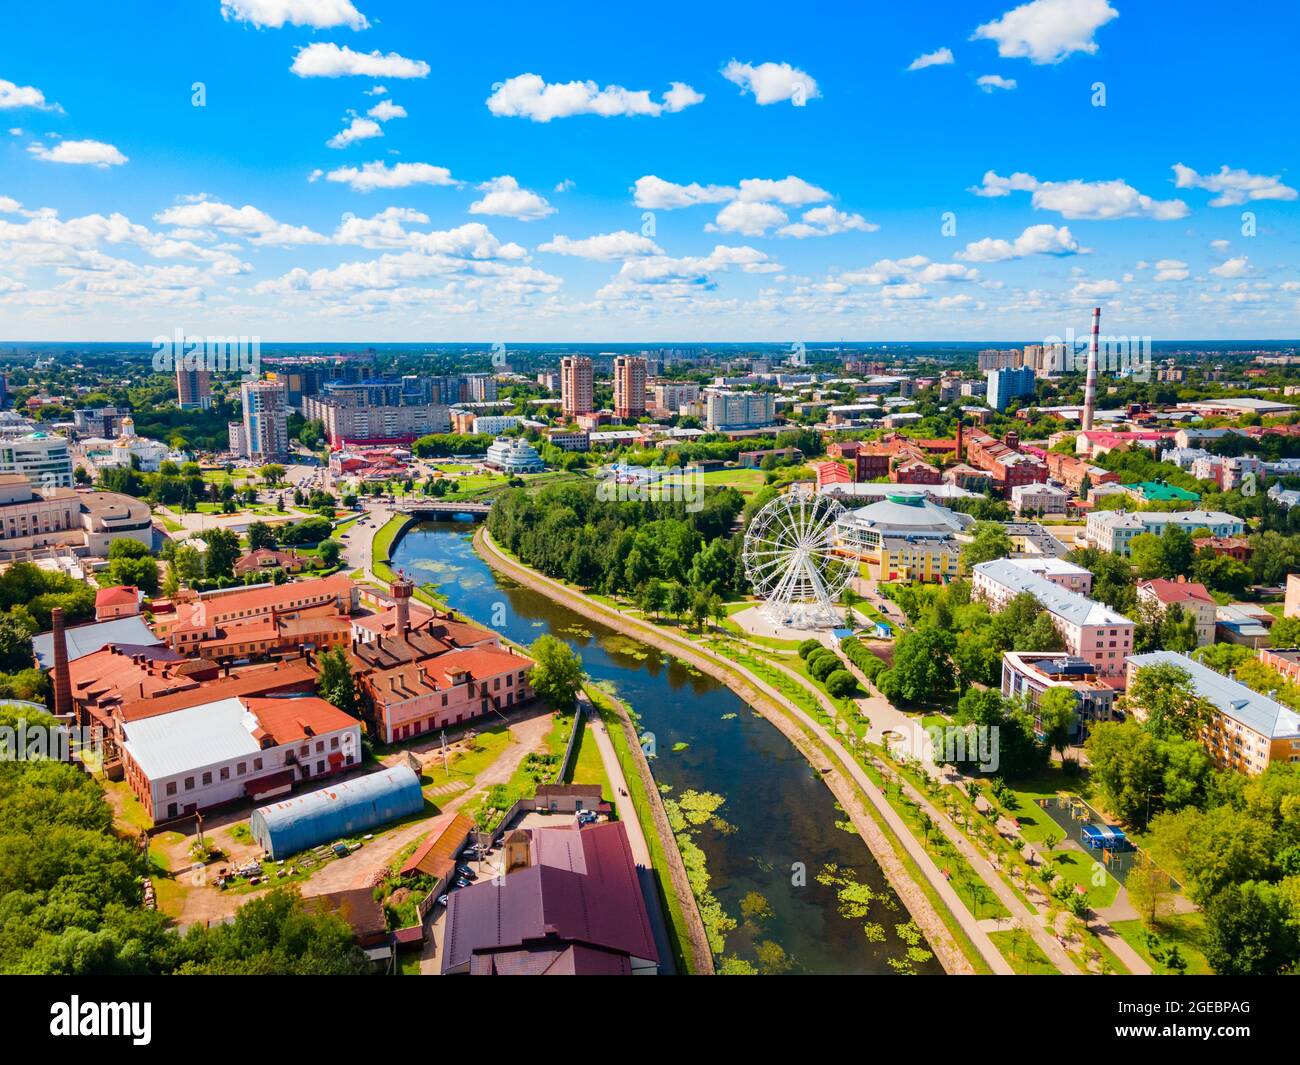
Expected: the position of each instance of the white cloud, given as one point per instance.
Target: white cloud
(377, 90)
(1036, 240)
(319, 14)
(79, 153)
(681, 96)
(1047, 31)
(8, 205)
(664, 277)
(939, 58)
(1092, 200)
(658, 194)
(14, 96)
(378, 175)
(566, 185)
(1235, 267)
(386, 110)
(772, 83)
(359, 129)
(1220, 245)
(1171, 270)
(1234, 187)
(989, 82)
(383, 230)
(1093, 289)
(748, 218)
(826, 222)
(914, 271)
(505, 198)
(326, 60)
(603, 247)
(248, 221)
(529, 96)
(791, 191)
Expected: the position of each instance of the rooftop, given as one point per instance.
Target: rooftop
(1069, 606)
(1257, 712)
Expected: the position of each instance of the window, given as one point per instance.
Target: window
(171, 788)
(189, 783)
(257, 764)
(334, 743)
(225, 772)
(241, 769)
(207, 779)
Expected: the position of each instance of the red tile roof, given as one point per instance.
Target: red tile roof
(1177, 591)
(284, 676)
(118, 595)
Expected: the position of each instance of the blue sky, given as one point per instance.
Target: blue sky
(765, 171)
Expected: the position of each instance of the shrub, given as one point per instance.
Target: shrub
(823, 665)
(808, 647)
(841, 684)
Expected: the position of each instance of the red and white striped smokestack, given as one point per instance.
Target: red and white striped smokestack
(1090, 383)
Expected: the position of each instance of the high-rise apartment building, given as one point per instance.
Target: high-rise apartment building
(266, 419)
(193, 389)
(629, 387)
(576, 389)
(480, 387)
(1006, 385)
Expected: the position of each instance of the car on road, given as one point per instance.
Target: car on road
(461, 882)
(442, 900)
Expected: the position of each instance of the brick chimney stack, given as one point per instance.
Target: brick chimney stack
(62, 678)
(401, 591)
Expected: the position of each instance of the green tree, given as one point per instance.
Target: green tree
(923, 669)
(557, 672)
(223, 550)
(1165, 695)
(329, 551)
(335, 682)
(1057, 713)
(989, 541)
(261, 535)
(1250, 931)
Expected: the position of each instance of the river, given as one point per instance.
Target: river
(777, 812)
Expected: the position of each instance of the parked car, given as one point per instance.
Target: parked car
(461, 882)
(442, 900)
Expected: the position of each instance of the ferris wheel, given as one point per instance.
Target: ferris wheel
(791, 562)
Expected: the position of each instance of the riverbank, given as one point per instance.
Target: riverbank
(960, 945)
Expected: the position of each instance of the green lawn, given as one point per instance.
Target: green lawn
(588, 767)
(1023, 954)
(1186, 931)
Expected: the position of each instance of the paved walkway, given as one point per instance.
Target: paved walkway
(617, 781)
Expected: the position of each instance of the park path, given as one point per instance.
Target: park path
(618, 781)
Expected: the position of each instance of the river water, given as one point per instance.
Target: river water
(776, 812)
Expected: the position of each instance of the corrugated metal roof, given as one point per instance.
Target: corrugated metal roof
(1073, 607)
(87, 639)
(1257, 712)
(185, 740)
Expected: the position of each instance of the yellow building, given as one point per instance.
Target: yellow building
(903, 537)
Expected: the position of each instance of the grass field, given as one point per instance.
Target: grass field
(1185, 931)
(1023, 954)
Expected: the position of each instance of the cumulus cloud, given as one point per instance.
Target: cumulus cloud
(938, 58)
(1234, 187)
(989, 82)
(79, 153)
(908, 275)
(603, 247)
(772, 83)
(327, 60)
(657, 194)
(359, 129)
(1092, 200)
(318, 14)
(1036, 240)
(249, 222)
(378, 175)
(752, 219)
(386, 110)
(826, 222)
(1171, 270)
(12, 97)
(1047, 31)
(529, 96)
(1239, 266)
(1092, 289)
(505, 198)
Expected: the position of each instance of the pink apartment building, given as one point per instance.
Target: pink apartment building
(1089, 629)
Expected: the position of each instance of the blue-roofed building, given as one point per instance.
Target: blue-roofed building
(83, 640)
(1249, 730)
(343, 809)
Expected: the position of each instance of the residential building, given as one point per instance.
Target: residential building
(266, 420)
(1237, 624)
(570, 439)
(1160, 492)
(495, 424)
(1004, 385)
(1040, 500)
(1248, 732)
(1057, 570)
(671, 396)
(576, 386)
(629, 387)
(119, 601)
(915, 471)
(193, 388)
(1194, 598)
(1088, 628)
(1003, 460)
(351, 416)
(726, 410)
(480, 387)
(1229, 546)
(1113, 530)
(1286, 660)
(1029, 675)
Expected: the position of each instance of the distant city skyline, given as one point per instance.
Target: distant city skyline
(370, 171)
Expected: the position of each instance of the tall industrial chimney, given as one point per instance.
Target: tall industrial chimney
(62, 678)
(401, 590)
(1090, 384)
